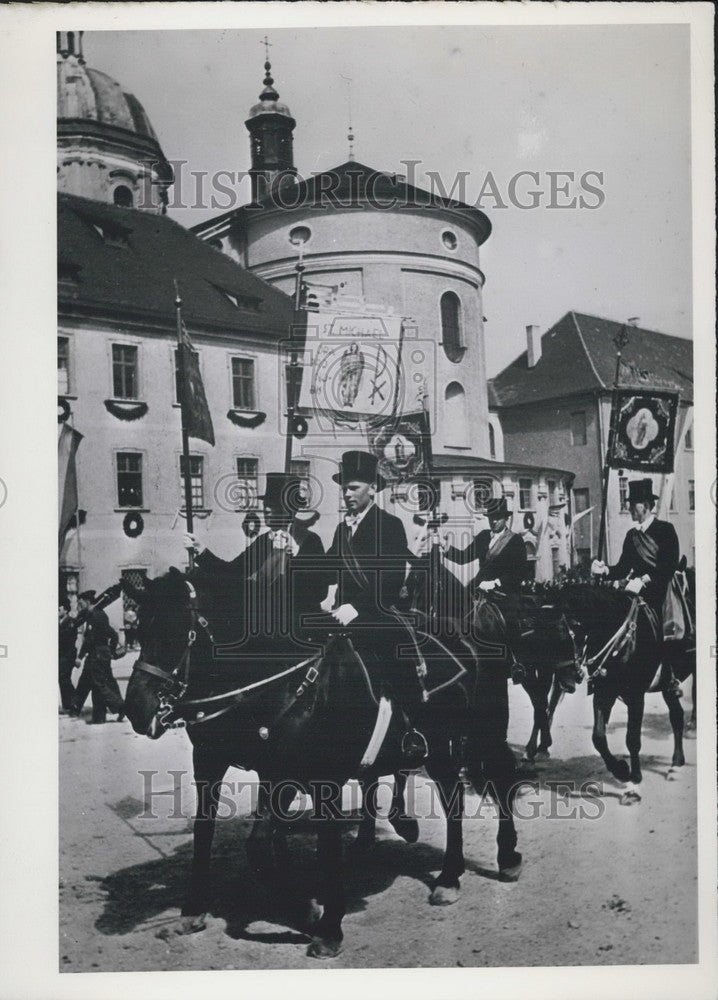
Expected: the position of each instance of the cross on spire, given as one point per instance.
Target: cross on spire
(267, 46)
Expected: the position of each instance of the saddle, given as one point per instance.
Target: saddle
(678, 624)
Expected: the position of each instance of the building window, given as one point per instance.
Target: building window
(689, 439)
(196, 472)
(581, 500)
(455, 416)
(691, 494)
(136, 578)
(525, 491)
(552, 486)
(247, 483)
(124, 371)
(623, 494)
(243, 396)
(672, 504)
(195, 354)
(63, 366)
(492, 441)
(129, 479)
(578, 428)
(451, 327)
(300, 235)
(449, 239)
(123, 197)
(555, 564)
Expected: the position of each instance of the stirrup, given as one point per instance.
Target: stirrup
(414, 748)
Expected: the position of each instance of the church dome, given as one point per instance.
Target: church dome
(269, 103)
(107, 147)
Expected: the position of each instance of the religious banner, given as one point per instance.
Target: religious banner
(644, 430)
(403, 447)
(354, 363)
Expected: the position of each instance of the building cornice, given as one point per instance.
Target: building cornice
(435, 263)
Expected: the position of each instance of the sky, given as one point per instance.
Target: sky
(484, 100)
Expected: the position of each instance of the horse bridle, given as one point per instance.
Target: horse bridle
(177, 679)
(622, 643)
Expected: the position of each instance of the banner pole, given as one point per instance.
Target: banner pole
(293, 364)
(187, 473)
(620, 340)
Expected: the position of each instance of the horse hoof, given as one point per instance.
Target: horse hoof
(528, 758)
(543, 755)
(630, 798)
(309, 917)
(621, 770)
(444, 895)
(511, 871)
(324, 948)
(406, 827)
(674, 772)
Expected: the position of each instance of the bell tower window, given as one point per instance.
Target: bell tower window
(451, 339)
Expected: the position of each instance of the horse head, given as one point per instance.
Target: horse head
(165, 633)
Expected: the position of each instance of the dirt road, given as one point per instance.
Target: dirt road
(602, 883)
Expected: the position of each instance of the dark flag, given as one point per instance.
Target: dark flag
(195, 412)
(645, 424)
(403, 447)
(67, 446)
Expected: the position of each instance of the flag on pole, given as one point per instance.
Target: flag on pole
(67, 445)
(644, 430)
(403, 447)
(194, 405)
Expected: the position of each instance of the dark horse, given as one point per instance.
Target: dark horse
(618, 642)
(302, 722)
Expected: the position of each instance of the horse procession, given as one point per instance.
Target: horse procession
(372, 659)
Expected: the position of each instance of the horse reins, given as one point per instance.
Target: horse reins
(623, 641)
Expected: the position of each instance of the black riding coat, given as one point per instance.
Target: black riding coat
(509, 566)
(99, 634)
(664, 535)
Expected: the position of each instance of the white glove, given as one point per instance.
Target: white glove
(283, 540)
(190, 542)
(328, 603)
(599, 568)
(487, 585)
(422, 542)
(634, 586)
(345, 614)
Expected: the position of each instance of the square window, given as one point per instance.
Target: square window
(247, 483)
(129, 479)
(578, 428)
(196, 471)
(243, 395)
(525, 494)
(124, 371)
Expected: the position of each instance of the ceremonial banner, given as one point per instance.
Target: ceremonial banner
(644, 430)
(355, 365)
(195, 409)
(403, 447)
(67, 445)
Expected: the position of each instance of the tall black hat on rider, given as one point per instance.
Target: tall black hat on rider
(641, 491)
(497, 508)
(361, 466)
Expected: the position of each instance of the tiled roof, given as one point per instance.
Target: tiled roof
(123, 262)
(578, 355)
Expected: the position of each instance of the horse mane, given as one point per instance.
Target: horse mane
(594, 602)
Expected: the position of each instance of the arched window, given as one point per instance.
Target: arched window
(451, 327)
(123, 196)
(456, 419)
(492, 441)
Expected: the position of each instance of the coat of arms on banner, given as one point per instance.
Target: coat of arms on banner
(355, 365)
(644, 430)
(403, 447)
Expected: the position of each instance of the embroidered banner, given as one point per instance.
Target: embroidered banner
(645, 425)
(403, 447)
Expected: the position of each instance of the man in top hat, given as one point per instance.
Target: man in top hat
(280, 571)
(650, 550)
(98, 646)
(502, 568)
(370, 552)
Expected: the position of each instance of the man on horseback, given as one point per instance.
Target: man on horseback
(502, 567)
(280, 572)
(650, 553)
(369, 554)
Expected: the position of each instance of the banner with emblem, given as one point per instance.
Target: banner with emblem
(354, 362)
(645, 424)
(402, 447)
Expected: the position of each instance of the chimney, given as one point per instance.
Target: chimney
(533, 344)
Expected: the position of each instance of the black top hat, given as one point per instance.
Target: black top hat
(497, 508)
(87, 595)
(641, 491)
(284, 490)
(361, 465)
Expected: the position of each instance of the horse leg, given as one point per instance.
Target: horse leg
(603, 702)
(366, 833)
(534, 690)
(406, 826)
(261, 840)
(451, 795)
(327, 934)
(555, 699)
(677, 718)
(208, 774)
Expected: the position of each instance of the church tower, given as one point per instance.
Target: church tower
(270, 126)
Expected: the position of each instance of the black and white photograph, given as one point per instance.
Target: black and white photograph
(385, 497)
